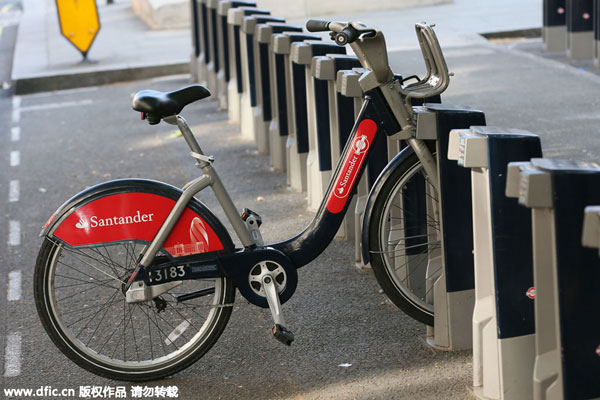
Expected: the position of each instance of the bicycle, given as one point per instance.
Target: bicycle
(135, 279)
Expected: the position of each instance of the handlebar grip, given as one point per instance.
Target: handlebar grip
(315, 25)
(347, 35)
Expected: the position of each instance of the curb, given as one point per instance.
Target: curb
(46, 83)
(519, 33)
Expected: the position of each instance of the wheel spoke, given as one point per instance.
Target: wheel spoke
(100, 322)
(99, 282)
(108, 260)
(89, 308)
(83, 273)
(84, 291)
(181, 315)
(137, 352)
(105, 307)
(408, 239)
(110, 337)
(98, 269)
(83, 295)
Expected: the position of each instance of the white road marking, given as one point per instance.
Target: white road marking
(14, 286)
(15, 134)
(16, 109)
(61, 92)
(14, 233)
(51, 106)
(15, 158)
(13, 191)
(16, 115)
(12, 356)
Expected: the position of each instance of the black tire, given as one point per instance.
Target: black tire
(83, 309)
(403, 237)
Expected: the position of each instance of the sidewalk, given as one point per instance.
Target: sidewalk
(126, 49)
(459, 23)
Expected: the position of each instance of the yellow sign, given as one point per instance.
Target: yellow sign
(79, 22)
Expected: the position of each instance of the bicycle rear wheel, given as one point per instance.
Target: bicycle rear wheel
(81, 303)
(404, 239)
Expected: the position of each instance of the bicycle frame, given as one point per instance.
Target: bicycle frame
(386, 108)
(385, 112)
(371, 125)
(183, 240)
(383, 93)
(331, 212)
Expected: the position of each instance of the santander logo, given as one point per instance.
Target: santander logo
(95, 221)
(360, 145)
(353, 160)
(82, 224)
(530, 293)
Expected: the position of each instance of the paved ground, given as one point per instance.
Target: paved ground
(518, 87)
(338, 314)
(69, 140)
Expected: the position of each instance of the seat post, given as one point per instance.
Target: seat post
(215, 182)
(187, 133)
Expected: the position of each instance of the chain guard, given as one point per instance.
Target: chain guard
(238, 266)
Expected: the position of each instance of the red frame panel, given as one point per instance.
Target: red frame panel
(137, 216)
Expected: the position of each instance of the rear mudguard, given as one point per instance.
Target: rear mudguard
(134, 210)
(375, 190)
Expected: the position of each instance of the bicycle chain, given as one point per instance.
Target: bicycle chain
(213, 306)
(204, 306)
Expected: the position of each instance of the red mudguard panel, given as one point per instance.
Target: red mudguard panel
(137, 216)
(351, 166)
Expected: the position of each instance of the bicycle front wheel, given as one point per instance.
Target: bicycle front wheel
(80, 300)
(404, 239)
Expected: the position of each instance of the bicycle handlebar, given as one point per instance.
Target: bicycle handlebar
(437, 77)
(315, 25)
(341, 32)
(369, 46)
(347, 35)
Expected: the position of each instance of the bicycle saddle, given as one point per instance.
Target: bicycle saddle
(156, 105)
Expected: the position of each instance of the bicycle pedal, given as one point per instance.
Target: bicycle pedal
(253, 222)
(246, 212)
(283, 335)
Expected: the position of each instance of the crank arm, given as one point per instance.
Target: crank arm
(273, 300)
(280, 331)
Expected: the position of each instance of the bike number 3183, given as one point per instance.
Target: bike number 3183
(166, 274)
